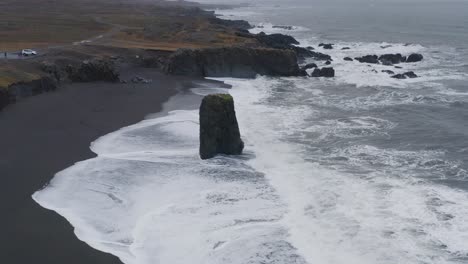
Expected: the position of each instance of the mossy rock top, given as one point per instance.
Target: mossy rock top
(222, 97)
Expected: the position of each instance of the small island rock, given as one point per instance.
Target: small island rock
(219, 130)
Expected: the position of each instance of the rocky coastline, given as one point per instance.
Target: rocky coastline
(245, 55)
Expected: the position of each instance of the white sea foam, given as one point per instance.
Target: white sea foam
(148, 198)
(343, 218)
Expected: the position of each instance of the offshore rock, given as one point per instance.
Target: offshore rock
(414, 57)
(309, 66)
(390, 59)
(405, 75)
(324, 72)
(219, 130)
(368, 59)
(326, 46)
(239, 62)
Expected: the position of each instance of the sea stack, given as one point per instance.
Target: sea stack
(219, 131)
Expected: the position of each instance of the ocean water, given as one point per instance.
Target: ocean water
(360, 168)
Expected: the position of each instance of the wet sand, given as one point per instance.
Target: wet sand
(42, 135)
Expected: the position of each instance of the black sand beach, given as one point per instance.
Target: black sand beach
(44, 134)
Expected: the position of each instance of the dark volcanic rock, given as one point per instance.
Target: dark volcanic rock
(95, 70)
(219, 131)
(309, 66)
(405, 75)
(233, 62)
(237, 24)
(411, 75)
(303, 53)
(53, 70)
(327, 62)
(348, 59)
(22, 90)
(414, 57)
(390, 59)
(284, 27)
(326, 46)
(324, 72)
(277, 41)
(4, 98)
(388, 71)
(319, 56)
(345, 48)
(368, 59)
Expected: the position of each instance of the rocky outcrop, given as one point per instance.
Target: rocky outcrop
(405, 75)
(348, 59)
(240, 62)
(324, 72)
(373, 59)
(303, 53)
(95, 70)
(309, 66)
(281, 41)
(390, 59)
(326, 46)
(388, 71)
(414, 57)
(4, 98)
(53, 70)
(276, 41)
(21, 90)
(236, 24)
(219, 130)
(284, 27)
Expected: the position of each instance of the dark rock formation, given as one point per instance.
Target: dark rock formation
(390, 59)
(345, 48)
(348, 59)
(310, 48)
(236, 24)
(284, 27)
(414, 57)
(368, 59)
(53, 70)
(95, 70)
(237, 62)
(309, 66)
(324, 72)
(328, 62)
(388, 71)
(302, 53)
(4, 98)
(319, 56)
(411, 75)
(219, 131)
(326, 46)
(276, 41)
(22, 90)
(405, 75)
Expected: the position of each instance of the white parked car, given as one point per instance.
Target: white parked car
(28, 52)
